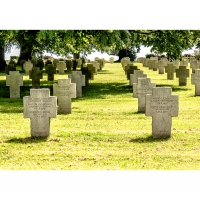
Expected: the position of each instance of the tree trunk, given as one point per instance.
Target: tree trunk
(76, 55)
(2, 55)
(24, 55)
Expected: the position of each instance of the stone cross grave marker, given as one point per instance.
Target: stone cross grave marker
(137, 74)
(161, 66)
(79, 63)
(61, 66)
(195, 80)
(10, 67)
(143, 87)
(127, 67)
(27, 66)
(14, 80)
(40, 107)
(134, 77)
(55, 61)
(170, 69)
(176, 63)
(194, 64)
(35, 74)
(86, 72)
(125, 61)
(79, 79)
(64, 90)
(182, 73)
(69, 65)
(111, 60)
(130, 70)
(184, 63)
(162, 106)
(51, 70)
(154, 64)
(96, 65)
(145, 64)
(91, 69)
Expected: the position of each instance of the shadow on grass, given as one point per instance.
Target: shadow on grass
(29, 140)
(174, 87)
(100, 90)
(148, 139)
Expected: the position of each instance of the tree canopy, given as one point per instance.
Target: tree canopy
(63, 42)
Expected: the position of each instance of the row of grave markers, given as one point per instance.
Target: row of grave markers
(157, 102)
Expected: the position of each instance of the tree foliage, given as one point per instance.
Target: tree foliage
(63, 42)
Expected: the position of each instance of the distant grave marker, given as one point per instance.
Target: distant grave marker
(79, 79)
(143, 87)
(61, 66)
(14, 80)
(27, 66)
(64, 90)
(35, 74)
(182, 73)
(51, 70)
(195, 80)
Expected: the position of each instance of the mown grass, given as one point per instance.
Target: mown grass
(104, 131)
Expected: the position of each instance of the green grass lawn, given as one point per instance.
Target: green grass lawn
(104, 131)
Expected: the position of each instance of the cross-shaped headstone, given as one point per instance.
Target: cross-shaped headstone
(10, 67)
(145, 63)
(162, 106)
(55, 61)
(64, 90)
(143, 87)
(130, 70)
(154, 65)
(69, 65)
(40, 107)
(161, 66)
(51, 70)
(194, 64)
(127, 67)
(182, 73)
(111, 59)
(176, 63)
(91, 69)
(61, 66)
(184, 63)
(170, 69)
(96, 65)
(86, 72)
(27, 66)
(79, 79)
(14, 80)
(35, 74)
(195, 80)
(134, 77)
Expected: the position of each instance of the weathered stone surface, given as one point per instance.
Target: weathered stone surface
(14, 80)
(162, 106)
(35, 74)
(195, 80)
(40, 107)
(27, 66)
(79, 79)
(51, 70)
(65, 91)
(182, 73)
(61, 66)
(170, 69)
(143, 87)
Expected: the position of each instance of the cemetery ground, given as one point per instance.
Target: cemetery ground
(104, 130)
